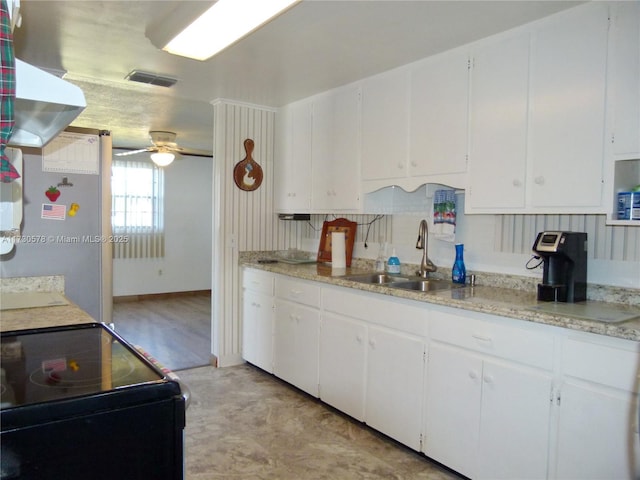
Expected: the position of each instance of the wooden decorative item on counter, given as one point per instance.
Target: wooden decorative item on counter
(337, 225)
(247, 174)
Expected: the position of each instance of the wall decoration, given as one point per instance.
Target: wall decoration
(247, 174)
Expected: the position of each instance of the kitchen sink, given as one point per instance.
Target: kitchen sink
(376, 278)
(426, 285)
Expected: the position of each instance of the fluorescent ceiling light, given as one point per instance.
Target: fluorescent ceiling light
(226, 22)
(162, 159)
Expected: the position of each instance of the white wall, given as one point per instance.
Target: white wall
(186, 265)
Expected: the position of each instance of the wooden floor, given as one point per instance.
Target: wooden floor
(175, 329)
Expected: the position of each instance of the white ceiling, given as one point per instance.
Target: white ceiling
(313, 47)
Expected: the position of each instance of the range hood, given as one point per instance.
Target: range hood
(45, 105)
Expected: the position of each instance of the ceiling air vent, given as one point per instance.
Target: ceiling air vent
(150, 78)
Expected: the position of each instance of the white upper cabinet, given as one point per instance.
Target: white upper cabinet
(385, 125)
(568, 87)
(498, 125)
(335, 159)
(293, 158)
(414, 124)
(438, 115)
(625, 85)
(538, 99)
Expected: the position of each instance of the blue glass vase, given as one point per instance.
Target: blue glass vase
(459, 272)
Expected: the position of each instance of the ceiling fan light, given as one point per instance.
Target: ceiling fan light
(226, 22)
(162, 159)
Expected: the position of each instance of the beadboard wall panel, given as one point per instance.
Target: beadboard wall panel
(242, 221)
(516, 233)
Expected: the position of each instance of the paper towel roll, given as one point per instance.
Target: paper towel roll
(338, 250)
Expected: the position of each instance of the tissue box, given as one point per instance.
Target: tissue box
(629, 206)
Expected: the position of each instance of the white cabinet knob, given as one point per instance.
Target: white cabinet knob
(473, 375)
(539, 180)
(372, 343)
(400, 165)
(488, 379)
(359, 338)
(414, 164)
(517, 182)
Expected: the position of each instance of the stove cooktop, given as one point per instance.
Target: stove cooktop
(49, 364)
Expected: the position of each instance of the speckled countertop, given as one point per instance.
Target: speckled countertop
(497, 300)
(67, 313)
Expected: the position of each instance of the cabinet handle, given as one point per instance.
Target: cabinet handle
(473, 375)
(517, 182)
(488, 379)
(295, 293)
(359, 338)
(481, 338)
(254, 304)
(400, 165)
(372, 343)
(539, 180)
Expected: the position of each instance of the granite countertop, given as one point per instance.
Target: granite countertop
(44, 301)
(506, 302)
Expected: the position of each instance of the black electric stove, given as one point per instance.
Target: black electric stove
(79, 402)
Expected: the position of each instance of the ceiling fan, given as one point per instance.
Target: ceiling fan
(164, 148)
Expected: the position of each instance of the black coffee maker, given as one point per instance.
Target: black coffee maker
(564, 257)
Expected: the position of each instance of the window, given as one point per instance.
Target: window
(137, 213)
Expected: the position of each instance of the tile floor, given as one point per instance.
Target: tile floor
(245, 424)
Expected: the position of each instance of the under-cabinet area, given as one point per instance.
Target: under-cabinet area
(488, 396)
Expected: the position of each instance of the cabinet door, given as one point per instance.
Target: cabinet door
(453, 408)
(597, 434)
(395, 385)
(626, 81)
(335, 150)
(293, 158)
(296, 338)
(385, 125)
(257, 329)
(568, 80)
(342, 364)
(514, 422)
(498, 125)
(438, 115)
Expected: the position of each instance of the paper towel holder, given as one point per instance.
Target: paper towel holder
(337, 225)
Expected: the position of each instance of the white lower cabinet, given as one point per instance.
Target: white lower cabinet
(257, 318)
(296, 333)
(395, 384)
(372, 362)
(342, 364)
(488, 414)
(597, 432)
(296, 345)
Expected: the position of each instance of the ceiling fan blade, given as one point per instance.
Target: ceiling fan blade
(133, 152)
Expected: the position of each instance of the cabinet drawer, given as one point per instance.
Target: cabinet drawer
(257, 281)
(298, 291)
(511, 343)
(381, 310)
(611, 362)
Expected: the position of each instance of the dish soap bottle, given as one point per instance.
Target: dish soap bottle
(393, 264)
(380, 260)
(459, 272)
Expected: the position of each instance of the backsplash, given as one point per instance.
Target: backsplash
(515, 234)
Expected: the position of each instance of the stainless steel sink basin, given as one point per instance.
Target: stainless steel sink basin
(376, 278)
(426, 285)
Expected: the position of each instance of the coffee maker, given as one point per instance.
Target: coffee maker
(564, 257)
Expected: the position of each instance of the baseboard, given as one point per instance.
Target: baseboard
(159, 296)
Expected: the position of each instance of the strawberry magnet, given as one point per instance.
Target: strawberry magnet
(52, 193)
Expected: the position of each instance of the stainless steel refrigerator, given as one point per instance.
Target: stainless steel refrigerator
(67, 233)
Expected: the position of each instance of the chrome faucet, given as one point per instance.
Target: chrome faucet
(426, 265)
